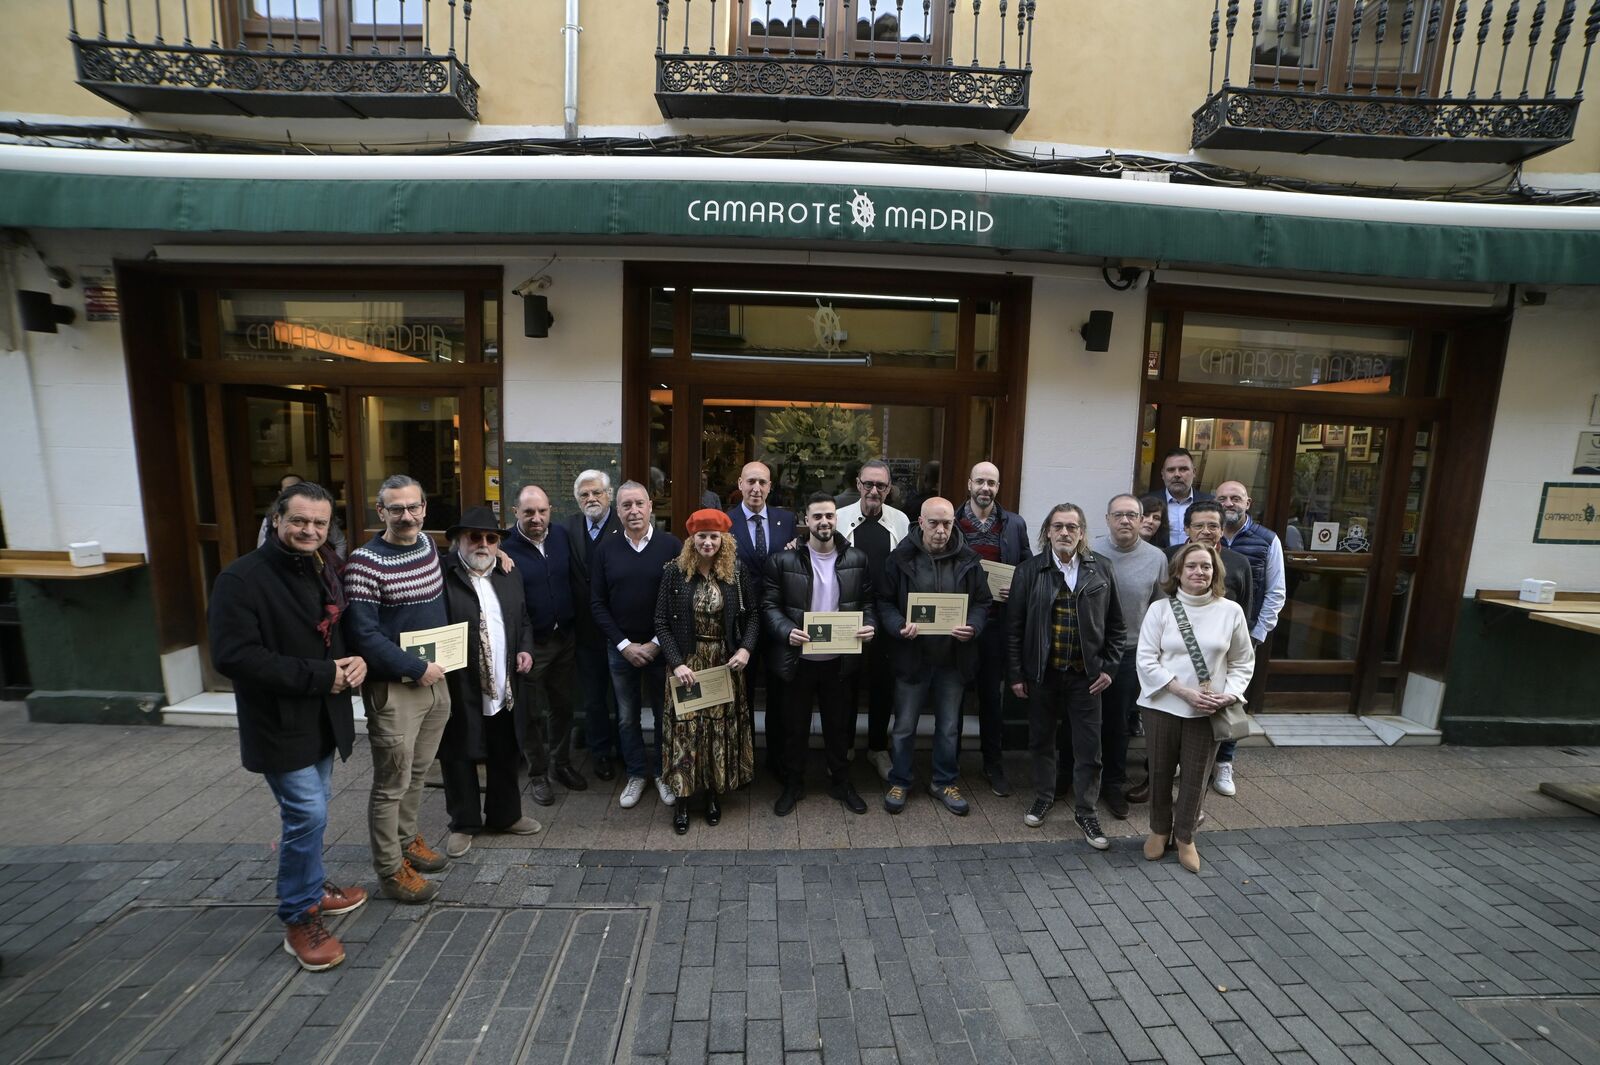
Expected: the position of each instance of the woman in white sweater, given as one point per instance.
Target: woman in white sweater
(1177, 701)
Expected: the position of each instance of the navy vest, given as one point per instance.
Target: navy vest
(1254, 542)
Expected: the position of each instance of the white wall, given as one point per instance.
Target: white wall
(67, 468)
(1551, 377)
(568, 385)
(1081, 429)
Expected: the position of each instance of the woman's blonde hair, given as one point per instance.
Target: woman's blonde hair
(1170, 584)
(725, 566)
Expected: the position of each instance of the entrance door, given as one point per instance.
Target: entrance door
(274, 432)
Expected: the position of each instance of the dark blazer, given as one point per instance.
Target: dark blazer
(1163, 538)
(1101, 631)
(780, 530)
(787, 597)
(675, 626)
(910, 569)
(463, 738)
(263, 617)
(1236, 580)
(583, 550)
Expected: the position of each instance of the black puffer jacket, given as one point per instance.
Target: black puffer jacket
(1033, 596)
(263, 617)
(741, 614)
(912, 569)
(788, 596)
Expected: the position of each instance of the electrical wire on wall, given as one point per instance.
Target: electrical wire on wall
(1506, 187)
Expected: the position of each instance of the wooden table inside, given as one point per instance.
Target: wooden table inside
(54, 565)
(1565, 602)
(1584, 622)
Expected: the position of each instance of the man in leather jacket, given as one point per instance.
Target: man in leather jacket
(1064, 642)
(823, 574)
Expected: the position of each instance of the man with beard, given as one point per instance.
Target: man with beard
(997, 535)
(931, 670)
(1264, 552)
(1177, 475)
(759, 530)
(543, 555)
(1064, 641)
(875, 528)
(594, 524)
(627, 577)
(827, 575)
(274, 627)
(394, 584)
(484, 695)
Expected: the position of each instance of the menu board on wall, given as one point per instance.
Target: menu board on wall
(553, 467)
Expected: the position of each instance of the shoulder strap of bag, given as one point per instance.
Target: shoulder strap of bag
(1182, 617)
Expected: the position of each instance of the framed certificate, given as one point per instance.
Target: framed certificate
(832, 632)
(936, 613)
(445, 646)
(711, 687)
(999, 574)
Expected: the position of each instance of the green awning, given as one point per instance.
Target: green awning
(782, 213)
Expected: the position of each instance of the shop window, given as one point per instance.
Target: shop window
(825, 328)
(986, 335)
(331, 25)
(395, 328)
(1304, 356)
(1308, 44)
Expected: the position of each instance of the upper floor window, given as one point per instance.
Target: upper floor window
(845, 29)
(1323, 44)
(327, 25)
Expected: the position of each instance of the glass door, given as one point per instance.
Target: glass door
(416, 432)
(279, 432)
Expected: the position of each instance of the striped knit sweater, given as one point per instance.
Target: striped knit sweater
(392, 590)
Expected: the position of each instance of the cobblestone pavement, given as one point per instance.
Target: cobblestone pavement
(1446, 939)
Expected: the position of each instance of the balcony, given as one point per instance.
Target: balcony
(279, 58)
(1438, 80)
(884, 62)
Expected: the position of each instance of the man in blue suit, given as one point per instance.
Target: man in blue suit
(758, 531)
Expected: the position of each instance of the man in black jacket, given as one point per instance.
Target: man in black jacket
(274, 625)
(1064, 642)
(593, 525)
(824, 574)
(931, 668)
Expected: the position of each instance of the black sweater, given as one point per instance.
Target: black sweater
(623, 585)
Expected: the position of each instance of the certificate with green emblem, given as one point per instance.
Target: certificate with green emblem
(711, 687)
(832, 632)
(445, 647)
(936, 613)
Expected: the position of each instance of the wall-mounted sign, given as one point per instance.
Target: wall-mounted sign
(1587, 458)
(1569, 513)
(100, 302)
(860, 211)
(1324, 536)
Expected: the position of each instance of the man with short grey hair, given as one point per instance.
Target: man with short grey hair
(594, 524)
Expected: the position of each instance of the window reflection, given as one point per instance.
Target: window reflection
(837, 328)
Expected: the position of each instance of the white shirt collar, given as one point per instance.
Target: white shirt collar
(650, 530)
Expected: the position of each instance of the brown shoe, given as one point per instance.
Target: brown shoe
(337, 900)
(312, 945)
(1139, 794)
(423, 858)
(407, 886)
(1188, 857)
(1155, 845)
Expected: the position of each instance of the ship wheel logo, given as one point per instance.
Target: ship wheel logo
(862, 211)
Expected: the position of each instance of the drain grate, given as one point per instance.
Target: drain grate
(1546, 1028)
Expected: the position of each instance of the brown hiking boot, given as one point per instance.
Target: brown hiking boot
(337, 900)
(312, 945)
(407, 886)
(423, 858)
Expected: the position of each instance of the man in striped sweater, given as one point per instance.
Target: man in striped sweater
(394, 584)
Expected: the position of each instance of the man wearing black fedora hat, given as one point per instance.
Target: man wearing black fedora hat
(484, 695)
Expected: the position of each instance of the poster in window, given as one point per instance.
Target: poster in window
(1360, 449)
(1260, 434)
(1200, 431)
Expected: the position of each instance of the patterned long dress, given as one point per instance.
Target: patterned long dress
(713, 749)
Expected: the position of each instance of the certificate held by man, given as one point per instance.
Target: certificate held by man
(711, 687)
(936, 613)
(999, 574)
(445, 646)
(832, 632)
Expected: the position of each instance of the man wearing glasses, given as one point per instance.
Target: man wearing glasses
(394, 584)
(874, 527)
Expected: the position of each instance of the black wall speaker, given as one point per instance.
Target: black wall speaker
(39, 315)
(1096, 331)
(536, 316)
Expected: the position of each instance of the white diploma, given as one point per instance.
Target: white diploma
(711, 687)
(936, 613)
(832, 632)
(445, 647)
(999, 576)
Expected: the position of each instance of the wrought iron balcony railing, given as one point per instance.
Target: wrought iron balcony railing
(897, 62)
(282, 58)
(1446, 80)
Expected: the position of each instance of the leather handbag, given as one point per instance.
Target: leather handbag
(1231, 722)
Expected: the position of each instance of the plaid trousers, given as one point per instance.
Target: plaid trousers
(1171, 741)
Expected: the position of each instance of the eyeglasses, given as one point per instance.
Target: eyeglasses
(307, 523)
(1125, 515)
(1206, 526)
(1058, 526)
(874, 486)
(489, 538)
(399, 510)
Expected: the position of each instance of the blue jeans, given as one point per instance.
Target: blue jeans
(626, 681)
(941, 689)
(1225, 751)
(302, 796)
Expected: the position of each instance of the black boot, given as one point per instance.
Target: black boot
(680, 817)
(713, 808)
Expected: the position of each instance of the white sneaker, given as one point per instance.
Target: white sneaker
(631, 792)
(881, 762)
(1223, 781)
(668, 796)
